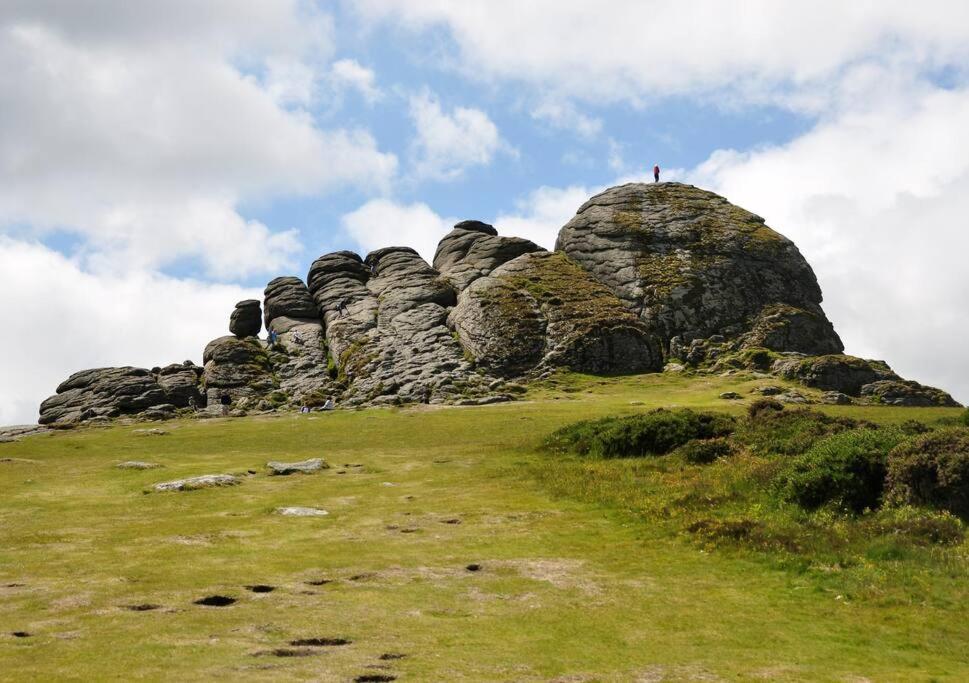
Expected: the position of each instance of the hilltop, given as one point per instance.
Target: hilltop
(645, 278)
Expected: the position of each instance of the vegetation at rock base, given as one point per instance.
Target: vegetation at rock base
(653, 433)
(847, 468)
(932, 470)
(612, 569)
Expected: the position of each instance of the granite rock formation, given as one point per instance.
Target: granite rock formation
(246, 319)
(692, 265)
(644, 276)
(541, 309)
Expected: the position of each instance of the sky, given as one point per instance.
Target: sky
(160, 161)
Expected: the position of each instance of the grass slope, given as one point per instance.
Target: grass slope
(586, 571)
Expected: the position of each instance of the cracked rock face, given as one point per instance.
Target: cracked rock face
(385, 327)
(300, 355)
(693, 265)
(541, 309)
(113, 392)
(236, 367)
(473, 249)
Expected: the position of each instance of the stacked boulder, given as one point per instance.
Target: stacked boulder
(299, 354)
(104, 393)
(643, 274)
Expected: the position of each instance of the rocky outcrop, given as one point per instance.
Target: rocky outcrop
(299, 355)
(541, 309)
(643, 277)
(872, 380)
(385, 328)
(246, 319)
(473, 249)
(693, 265)
(901, 392)
(180, 382)
(846, 374)
(104, 393)
(237, 368)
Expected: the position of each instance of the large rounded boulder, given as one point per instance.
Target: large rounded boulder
(541, 309)
(692, 265)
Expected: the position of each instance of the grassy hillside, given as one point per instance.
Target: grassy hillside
(587, 569)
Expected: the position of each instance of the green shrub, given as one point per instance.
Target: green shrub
(847, 468)
(762, 405)
(933, 470)
(918, 526)
(703, 451)
(964, 418)
(914, 427)
(653, 433)
(790, 432)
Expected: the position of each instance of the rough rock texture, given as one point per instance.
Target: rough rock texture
(301, 512)
(473, 249)
(300, 355)
(302, 467)
(639, 272)
(693, 265)
(238, 368)
(385, 328)
(205, 481)
(180, 381)
(102, 392)
(246, 319)
(846, 374)
(542, 309)
(137, 465)
(902, 392)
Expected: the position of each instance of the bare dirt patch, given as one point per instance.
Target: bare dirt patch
(215, 601)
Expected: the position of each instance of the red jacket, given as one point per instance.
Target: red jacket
(655, 169)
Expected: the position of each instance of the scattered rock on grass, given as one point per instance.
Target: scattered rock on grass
(206, 481)
(375, 678)
(155, 431)
(473, 567)
(302, 467)
(144, 607)
(137, 465)
(835, 398)
(301, 512)
(389, 656)
(730, 395)
(20, 634)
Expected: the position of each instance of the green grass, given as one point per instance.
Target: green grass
(589, 566)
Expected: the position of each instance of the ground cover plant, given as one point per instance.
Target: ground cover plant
(455, 546)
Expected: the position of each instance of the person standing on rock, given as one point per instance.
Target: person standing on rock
(656, 173)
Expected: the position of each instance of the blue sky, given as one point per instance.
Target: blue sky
(159, 161)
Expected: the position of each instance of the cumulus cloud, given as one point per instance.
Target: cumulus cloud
(140, 128)
(446, 144)
(135, 318)
(632, 50)
(540, 214)
(874, 197)
(350, 74)
(383, 222)
(563, 115)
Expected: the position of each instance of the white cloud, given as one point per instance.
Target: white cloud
(348, 73)
(133, 126)
(875, 197)
(448, 143)
(383, 223)
(632, 50)
(563, 115)
(542, 213)
(69, 319)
